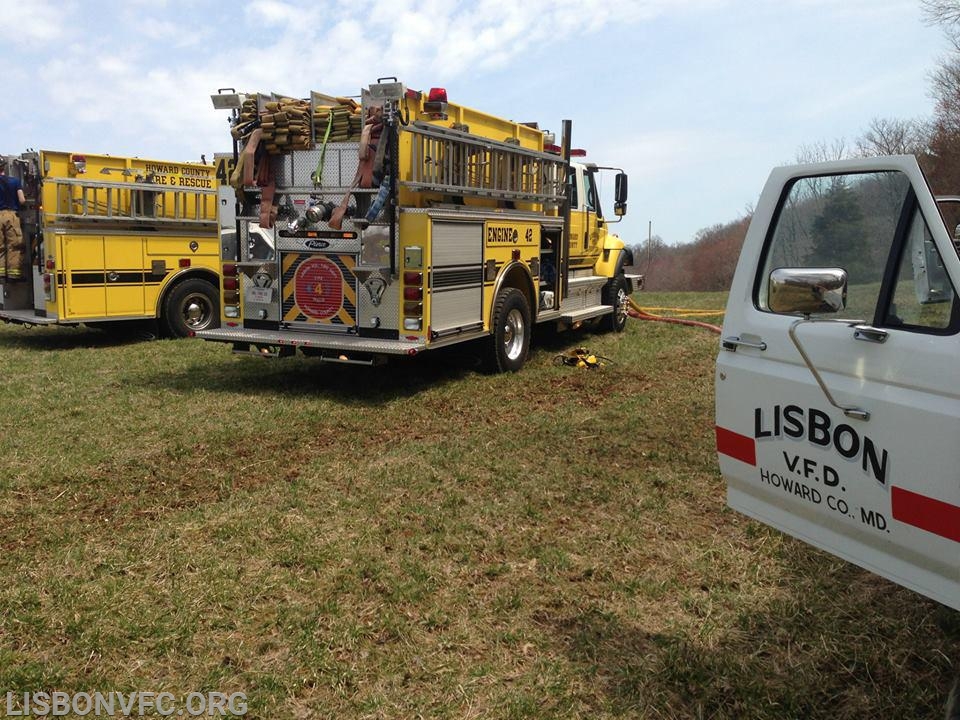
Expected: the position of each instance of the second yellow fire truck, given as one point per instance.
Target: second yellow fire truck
(112, 239)
(405, 222)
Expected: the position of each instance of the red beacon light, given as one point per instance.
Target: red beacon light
(436, 104)
(557, 150)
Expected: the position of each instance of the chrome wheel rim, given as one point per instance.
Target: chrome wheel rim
(621, 307)
(197, 311)
(513, 332)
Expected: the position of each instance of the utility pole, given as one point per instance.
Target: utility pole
(649, 242)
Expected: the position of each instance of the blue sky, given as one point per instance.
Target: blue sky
(695, 99)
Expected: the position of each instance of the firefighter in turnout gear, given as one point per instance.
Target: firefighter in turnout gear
(11, 198)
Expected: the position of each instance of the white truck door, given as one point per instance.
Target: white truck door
(874, 476)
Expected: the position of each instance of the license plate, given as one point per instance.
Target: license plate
(259, 295)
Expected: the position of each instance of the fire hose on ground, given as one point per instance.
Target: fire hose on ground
(582, 358)
(641, 313)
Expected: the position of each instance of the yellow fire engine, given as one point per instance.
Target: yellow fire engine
(405, 222)
(114, 238)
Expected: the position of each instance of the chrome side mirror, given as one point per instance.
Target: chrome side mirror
(807, 291)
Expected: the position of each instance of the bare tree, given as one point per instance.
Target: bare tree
(945, 13)
(822, 151)
(945, 88)
(887, 136)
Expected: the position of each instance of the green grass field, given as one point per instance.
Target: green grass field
(422, 540)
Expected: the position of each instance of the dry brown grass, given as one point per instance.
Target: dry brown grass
(421, 540)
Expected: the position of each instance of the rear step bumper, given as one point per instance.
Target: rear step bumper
(26, 317)
(341, 342)
(586, 313)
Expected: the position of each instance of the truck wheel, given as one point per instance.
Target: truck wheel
(615, 294)
(510, 343)
(191, 305)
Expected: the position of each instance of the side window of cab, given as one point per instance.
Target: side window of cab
(590, 192)
(870, 225)
(574, 195)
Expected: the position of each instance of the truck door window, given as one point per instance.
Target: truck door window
(923, 297)
(846, 221)
(863, 223)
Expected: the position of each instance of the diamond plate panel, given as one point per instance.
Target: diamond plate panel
(340, 162)
(378, 295)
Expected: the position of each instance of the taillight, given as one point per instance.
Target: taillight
(413, 291)
(438, 95)
(51, 264)
(184, 262)
(231, 288)
(79, 163)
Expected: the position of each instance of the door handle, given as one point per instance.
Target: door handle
(869, 334)
(734, 341)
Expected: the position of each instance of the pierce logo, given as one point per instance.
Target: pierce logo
(314, 244)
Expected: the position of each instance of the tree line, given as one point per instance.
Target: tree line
(708, 262)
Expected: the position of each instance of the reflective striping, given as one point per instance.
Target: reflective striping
(739, 447)
(120, 277)
(88, 278)
(935, 516)
(456, 277)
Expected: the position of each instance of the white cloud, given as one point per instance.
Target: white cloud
(36, 22)
(171, 34)
(275, 13)
(691, 95)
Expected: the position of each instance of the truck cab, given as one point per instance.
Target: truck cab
(837, 401)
